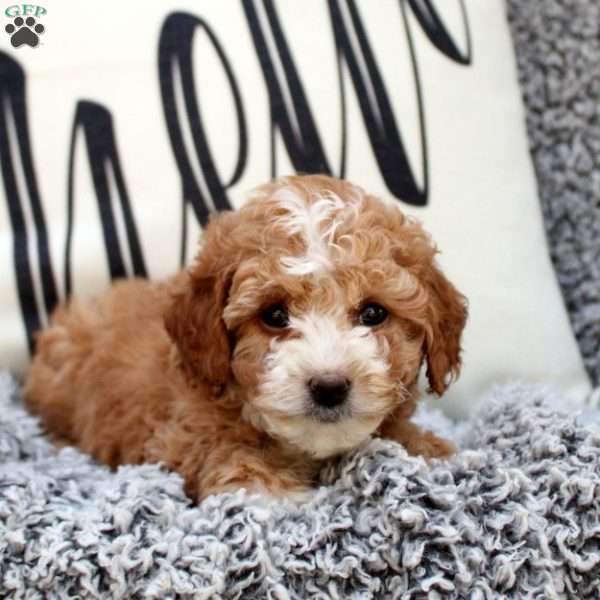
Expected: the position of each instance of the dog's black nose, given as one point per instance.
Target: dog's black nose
(329, 390)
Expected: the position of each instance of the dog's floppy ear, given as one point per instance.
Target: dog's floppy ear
(447, 314)
(194, 320)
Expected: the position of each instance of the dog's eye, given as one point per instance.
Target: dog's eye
(276, 316)
(372, 314)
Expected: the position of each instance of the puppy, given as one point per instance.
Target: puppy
(298, 334)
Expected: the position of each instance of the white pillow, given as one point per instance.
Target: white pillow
(480, 199)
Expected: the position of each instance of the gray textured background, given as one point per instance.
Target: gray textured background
(557, 44)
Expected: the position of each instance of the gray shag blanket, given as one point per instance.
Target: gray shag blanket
(515, 514)
(557, 45)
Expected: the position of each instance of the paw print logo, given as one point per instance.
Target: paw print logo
(24, 31)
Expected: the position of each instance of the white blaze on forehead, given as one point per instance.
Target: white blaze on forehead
(307, 219)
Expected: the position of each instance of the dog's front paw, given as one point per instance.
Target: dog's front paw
(432, 446)
(418, 442)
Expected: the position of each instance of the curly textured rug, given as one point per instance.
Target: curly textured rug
(517, 515)
(557, 45)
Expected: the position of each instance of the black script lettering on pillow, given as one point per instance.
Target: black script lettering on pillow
(293, 120)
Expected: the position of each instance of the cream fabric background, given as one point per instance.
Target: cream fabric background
(483, 209)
